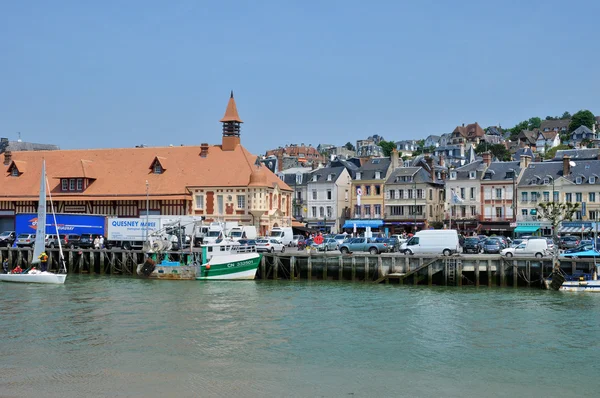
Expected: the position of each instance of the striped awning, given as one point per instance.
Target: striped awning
(574, 230)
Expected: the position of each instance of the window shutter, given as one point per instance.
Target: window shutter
(387, 194)
(487, 193)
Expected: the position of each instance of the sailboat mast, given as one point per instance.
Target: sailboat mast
(60, 251)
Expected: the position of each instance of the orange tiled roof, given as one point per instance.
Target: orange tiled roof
(124, 171)
(231, 113)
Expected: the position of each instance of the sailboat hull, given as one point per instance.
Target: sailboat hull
(42, 277)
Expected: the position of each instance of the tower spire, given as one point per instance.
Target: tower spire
(231, 126)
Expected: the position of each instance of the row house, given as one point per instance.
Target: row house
(295, 154)
(297, 179)
(328, 198)
(498, 190)
(413, 199)
(367, 192)
(557, 125)
(472, 133)
(580, 134)
(432, 141)
(220, 182)
(463, 196)
(559, 181)
(407, 147)
(546, 140)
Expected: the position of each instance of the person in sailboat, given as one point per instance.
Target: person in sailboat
(5, 265)
(43, 261)
(17, 270)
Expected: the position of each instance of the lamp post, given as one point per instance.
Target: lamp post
(553, 204)
(415, 196)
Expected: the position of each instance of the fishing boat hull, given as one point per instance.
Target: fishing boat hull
(580, 286)
(171, 271)
(41, 277)
(240, 266)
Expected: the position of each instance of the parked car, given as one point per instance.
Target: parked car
(296, 239)
(435, 241)
(25, 240)
(493, 246)
(363, 245)
(568, 242)
(247, 242)
(581, 248)
(269, 245)
(517, 242)
(328, 244)
(582, 254)
(530, 248)
(471, 245)
(52, 241)
(86, 241)
(7, 238)
(72, 241)
(341, 238)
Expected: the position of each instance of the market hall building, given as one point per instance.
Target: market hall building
(220, 182)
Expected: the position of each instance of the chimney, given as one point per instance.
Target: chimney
(203, 150)
(442, 161)
(566, 165)
(429, 161)
(395, 158)
(463, 125)
(524, 161)
(7, 157)
(487, 158)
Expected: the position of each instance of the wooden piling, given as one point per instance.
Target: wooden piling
(459, 272)
(292, 268)
(430, 275)
(489, 272)
(353, 269)
(477, 263)
(340, 268)
(309, 267)
(529, 272)
(366, 276)
(325, 268)
(275, 267)
(515, 271)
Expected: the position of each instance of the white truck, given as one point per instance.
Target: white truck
(284, 235)
(131, 233)
(218, 230)
(242, 232)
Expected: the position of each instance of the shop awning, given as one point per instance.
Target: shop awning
(521, 229)
(573, 230)
(363, 223)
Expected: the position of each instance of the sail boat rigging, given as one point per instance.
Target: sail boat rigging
(35, 276)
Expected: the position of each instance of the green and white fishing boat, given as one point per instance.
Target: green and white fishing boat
(228, 260)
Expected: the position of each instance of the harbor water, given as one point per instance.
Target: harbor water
(109, 336)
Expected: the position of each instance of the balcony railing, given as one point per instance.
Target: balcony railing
(495, 218)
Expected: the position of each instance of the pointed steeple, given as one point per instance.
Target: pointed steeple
(231, 126)
(231, 113)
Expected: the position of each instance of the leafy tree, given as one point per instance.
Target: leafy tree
(552, 151)
(582, 118)
(534, 123)
(349, 146)
(556, 212)
(587, 143)
(387, 146)
(436, 224)
(498, 150)
(550, 118)
(566, 115)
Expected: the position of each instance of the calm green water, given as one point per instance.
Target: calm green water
(107, 336)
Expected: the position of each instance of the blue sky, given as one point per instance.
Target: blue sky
(122, 73)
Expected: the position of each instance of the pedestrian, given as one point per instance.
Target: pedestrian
(5, 265)
(44, 261)
(101, 241)
(96, 242)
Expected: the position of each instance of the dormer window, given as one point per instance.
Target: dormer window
(578, 180)
(314, 178)
(14, 172)
(592, 180)
(299, 178)
(71, 184)
(329, 177)
(157, 168)
(510, 174)
(487, 176)
(358, 175)
(453, 175)
(377, 175)
(158, 165)
(472, 175)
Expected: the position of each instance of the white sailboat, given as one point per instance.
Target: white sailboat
(35, 276)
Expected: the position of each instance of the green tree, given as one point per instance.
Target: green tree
(534, 123)
(566, 115)
(552, 151)
(498, 150)
(582, 118)
(587, 143)
(387, 146)
(556, 212)
(349, 146)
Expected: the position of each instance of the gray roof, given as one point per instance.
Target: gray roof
(582, 130)
(290, 179)
(322, 174)
(462, 173)
(552, 124)
(368, 169)
(16, 146)
(537, 171)
(583, 154)
(494, 130)
(419, 174)
(432, 137)
(349, 165)
(497, 171)
(523, 151)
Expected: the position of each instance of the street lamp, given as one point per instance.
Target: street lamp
(514, 198)
(147, 208)
(415, 196)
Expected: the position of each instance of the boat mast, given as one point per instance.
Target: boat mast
(60, 251)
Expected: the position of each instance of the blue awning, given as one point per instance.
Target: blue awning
(363, 223)
(526, 229)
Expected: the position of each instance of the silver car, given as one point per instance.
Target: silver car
(328, 244)
(25, 240)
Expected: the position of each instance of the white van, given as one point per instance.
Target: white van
(242, 232)
(284, 235)
(433, 241)
(530, 248)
